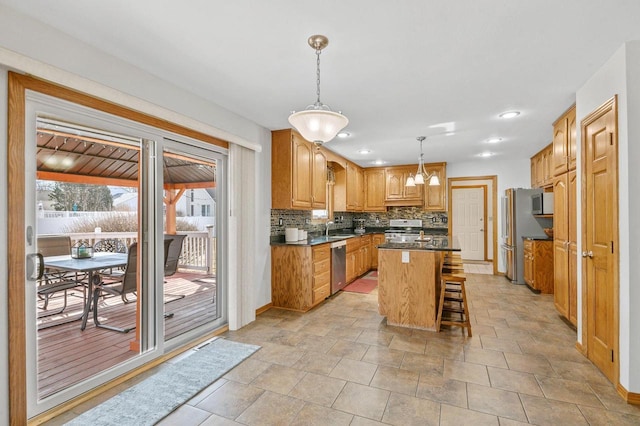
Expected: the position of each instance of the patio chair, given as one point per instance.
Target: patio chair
(125, 284)
(173, 249)
(173, 254)
(53, 281)
(110, 245)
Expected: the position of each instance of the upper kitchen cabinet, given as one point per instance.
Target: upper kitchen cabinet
(355, 188)
(348, 191)
(435, 195)
(564, 142)
(374, 193)
(396, 193)
(542, 168)
(298, 172)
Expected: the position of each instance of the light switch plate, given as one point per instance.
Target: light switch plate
(405, 257)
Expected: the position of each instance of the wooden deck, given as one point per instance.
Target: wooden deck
(67, 355)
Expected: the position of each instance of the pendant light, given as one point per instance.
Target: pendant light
(421, 174)
(317, 123)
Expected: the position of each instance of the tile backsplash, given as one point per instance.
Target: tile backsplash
(301, 219)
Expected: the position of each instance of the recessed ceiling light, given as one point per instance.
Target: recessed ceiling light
(343, 135)
(486, 154)
(364, 151)
(509, 114)
(378, 162)
(493, 140)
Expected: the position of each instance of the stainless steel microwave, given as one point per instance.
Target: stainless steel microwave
(542, 203)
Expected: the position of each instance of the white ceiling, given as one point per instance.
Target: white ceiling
(396, 69)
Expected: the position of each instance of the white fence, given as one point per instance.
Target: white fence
(199, 249)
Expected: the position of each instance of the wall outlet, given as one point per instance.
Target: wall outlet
(280, 222)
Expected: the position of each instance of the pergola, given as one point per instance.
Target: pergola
(63, 156)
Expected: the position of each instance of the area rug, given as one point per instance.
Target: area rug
(157, 396)
(362, 285)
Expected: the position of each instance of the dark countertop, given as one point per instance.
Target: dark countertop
(437, 243)
(343, 234)
(538, 238)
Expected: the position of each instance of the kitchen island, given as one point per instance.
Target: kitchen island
(409, 280)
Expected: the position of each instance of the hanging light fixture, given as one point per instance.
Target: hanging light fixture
(421, 174)
(317, 123)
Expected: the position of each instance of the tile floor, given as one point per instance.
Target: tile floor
(340, 364)
(478, 268)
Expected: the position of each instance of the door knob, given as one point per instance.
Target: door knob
(481, 230)
(588, 254)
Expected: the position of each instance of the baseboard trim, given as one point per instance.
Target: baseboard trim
(264, 308)
(629, 397)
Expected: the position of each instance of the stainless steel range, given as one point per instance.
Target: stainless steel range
(403, 230)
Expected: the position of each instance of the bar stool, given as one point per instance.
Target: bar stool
(453, 309)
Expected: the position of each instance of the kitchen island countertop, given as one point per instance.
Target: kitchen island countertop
(435, 243)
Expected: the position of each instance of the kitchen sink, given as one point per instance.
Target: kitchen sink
(338, 237)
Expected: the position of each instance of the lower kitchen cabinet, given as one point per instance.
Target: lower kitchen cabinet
(376, 240)
(358, 256)
(538, 265)
(300, 276)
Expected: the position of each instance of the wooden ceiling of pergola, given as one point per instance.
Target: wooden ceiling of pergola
(69, 158)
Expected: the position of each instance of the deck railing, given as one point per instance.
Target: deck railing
(199, 248)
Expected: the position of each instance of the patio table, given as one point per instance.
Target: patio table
(99, 261)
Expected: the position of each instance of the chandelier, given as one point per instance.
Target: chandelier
(421, 174)
(317, 123)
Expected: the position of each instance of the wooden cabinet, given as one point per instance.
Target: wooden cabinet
(538, 265)
(358, 256)
(318, 180)
(565, 245)
(396, 193)
(376, 240)
(300, 276)
(564, 142)
(374, 190)
(321, 273)
(435, 195)
(542, 168)
(355, 188)
(298, 173)
(348, 191)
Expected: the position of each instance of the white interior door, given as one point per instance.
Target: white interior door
(468, 211)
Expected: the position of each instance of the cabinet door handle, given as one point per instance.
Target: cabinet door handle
(588, 254)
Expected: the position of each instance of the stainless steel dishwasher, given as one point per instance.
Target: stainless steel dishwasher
(338, 265)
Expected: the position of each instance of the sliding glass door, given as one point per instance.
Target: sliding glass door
(124, 225)
(193, 221)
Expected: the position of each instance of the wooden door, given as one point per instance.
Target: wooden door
(301, 173)
(560, 245)
(600, 237)
(572, 279)
(571, 138)
(319, 181)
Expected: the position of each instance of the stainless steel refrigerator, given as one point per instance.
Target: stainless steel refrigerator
(518, 222)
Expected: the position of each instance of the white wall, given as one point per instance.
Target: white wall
(511, 174)
(125, 84)
(621, 75)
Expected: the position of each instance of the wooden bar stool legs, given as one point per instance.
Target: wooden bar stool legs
(453, 309)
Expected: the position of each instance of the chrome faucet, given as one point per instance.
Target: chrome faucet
(327, 230)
